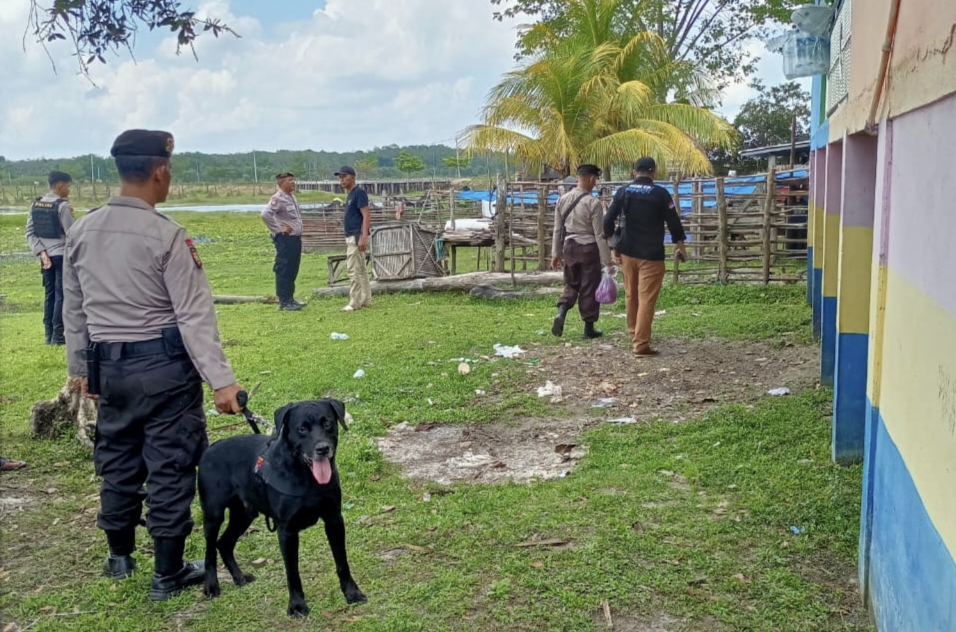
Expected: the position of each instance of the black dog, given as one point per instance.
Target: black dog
(291, 478)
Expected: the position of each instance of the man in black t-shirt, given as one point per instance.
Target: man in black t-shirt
(644, 209)
(358, 218)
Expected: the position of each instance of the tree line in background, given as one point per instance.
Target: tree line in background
(390, 162)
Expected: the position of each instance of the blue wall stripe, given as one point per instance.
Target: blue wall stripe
(849, 397)
(911, 572)
(828, 336)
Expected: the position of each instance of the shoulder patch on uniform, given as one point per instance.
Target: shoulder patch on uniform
(671, 203)
(192, 251)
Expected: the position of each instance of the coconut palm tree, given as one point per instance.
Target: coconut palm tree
(602, 97)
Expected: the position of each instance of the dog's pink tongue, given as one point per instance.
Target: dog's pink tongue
(322, 471)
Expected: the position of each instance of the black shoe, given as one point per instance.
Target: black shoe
(557, 328)
(295, 302)
(166, 586)
(590, 332)
(119, 566)
(58, 341)
(290, 307)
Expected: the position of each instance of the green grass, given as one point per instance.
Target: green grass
(660, 517)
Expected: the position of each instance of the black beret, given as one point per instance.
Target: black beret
(589, 170)
(56, 177)
(284, 174)
(645, 164)
(143, 142)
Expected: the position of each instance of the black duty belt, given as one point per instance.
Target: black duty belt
(120, 350)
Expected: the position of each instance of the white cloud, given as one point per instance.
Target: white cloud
(353, 75)
(356, 74)
(769, 71)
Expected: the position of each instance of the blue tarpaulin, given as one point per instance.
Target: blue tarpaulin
(741, 185)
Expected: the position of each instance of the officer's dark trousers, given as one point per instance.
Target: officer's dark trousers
(151, 429)
(582, 275)
(53, 299)
(288, 256)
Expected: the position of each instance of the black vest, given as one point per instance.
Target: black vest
(46, 219)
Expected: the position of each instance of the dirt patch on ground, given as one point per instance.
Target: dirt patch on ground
(601, 382)
(485, 453)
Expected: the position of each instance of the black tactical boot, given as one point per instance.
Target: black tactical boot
(120, 563)
(290, 306)
(590, 332)
(172, 575)
(558, 327)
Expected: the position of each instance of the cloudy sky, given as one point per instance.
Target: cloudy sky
(337, 75)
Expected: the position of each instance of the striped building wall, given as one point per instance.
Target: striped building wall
(883, 291)
(908, 519)
(817, 202)
(830, 229)
(857, 201)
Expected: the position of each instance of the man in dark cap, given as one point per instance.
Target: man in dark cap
(284, 218)
(644, 209)
(49, 219)
(579, 243)
(358, 220)
(141, 334)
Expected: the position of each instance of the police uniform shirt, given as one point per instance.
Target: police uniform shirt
(52, 245)
(646, 208)
(281, 211)
(129, 272)
(584, 224)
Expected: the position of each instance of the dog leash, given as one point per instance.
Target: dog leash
(254, 420)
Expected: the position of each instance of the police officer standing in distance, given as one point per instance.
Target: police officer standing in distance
(645, 209)
(49, 219)
(141, 333)
(284, 219)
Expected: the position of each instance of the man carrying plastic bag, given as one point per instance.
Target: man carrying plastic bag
(579, 243)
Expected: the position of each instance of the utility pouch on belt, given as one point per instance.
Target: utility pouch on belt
(173, 342)
(93, 368)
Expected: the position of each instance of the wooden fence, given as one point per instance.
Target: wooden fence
(754, 236)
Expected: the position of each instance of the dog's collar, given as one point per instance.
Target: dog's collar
(266, 474)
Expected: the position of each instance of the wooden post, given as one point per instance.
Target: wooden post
(452, 209)
(697, 198)
(723, 233)
(767, 219)
(676, 182)
(500, 223)
(543, 245)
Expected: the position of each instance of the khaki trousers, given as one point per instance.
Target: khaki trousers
(642, 285)
(360, 294)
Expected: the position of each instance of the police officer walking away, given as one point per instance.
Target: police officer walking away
(579, 241)
(644, 209)
(49, 219)
(284, 218)
(141, 333)
(358, 221)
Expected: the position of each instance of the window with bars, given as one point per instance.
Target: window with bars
(838, 77)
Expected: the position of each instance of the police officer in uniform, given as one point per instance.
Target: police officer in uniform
(141, 333)
(579, 243)
(49, 219)
(644, 208)
(284, 218)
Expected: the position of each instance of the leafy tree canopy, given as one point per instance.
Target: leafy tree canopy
(97, 27)
(710, 33)
(409, 163)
